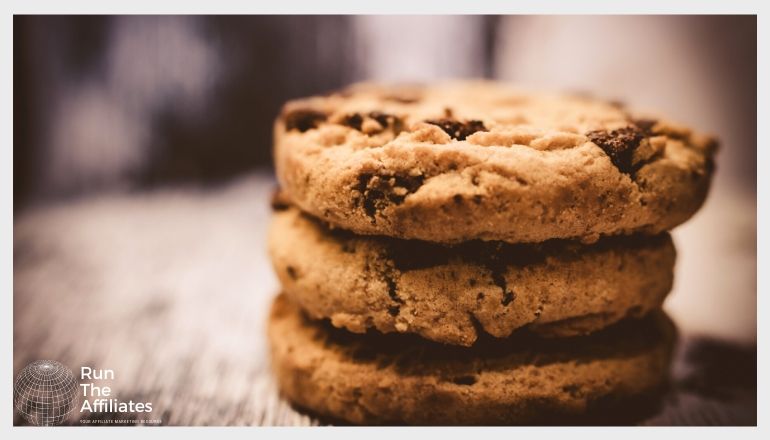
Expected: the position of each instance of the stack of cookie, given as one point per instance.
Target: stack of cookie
(469, 253)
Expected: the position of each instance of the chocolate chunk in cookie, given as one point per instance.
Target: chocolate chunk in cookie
(303, 119)
(380, 191)
(372, 122)
(384, 119)
(618, 144)
(353, 120)
(456, 129)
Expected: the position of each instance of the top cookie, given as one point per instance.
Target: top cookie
(482, 160)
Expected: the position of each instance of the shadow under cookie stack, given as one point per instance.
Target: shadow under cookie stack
(469, 253)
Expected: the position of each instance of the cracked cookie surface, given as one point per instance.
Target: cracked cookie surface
(480, 160)
(402, 379)
(451, 294)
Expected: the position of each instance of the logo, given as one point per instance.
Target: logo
(45, 392)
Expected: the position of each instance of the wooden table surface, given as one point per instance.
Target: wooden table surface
(170, 289)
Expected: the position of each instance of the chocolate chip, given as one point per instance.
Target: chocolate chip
(353, 120)
(372, 199)
(372, 202)
(456, 129)
(386, 120)
(411, 183)
(303, 119)
(292, 272)
(377, 192)
(394, 310)
(383, 119)
(392, 289)
(618, 144)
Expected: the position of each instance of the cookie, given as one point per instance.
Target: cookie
(396, 379)
(450, 294)
(480, 160)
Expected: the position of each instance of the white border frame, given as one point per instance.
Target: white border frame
(566, 7)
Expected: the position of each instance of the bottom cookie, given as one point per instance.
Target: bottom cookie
(524, 379)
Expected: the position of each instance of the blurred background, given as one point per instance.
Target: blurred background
(142, 175)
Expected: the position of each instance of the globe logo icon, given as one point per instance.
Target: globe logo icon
(45, 392)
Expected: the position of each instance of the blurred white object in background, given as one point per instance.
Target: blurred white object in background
(715, 287)
(419, 48)
(694, 70)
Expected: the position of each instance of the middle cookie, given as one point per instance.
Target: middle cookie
(450, 294)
